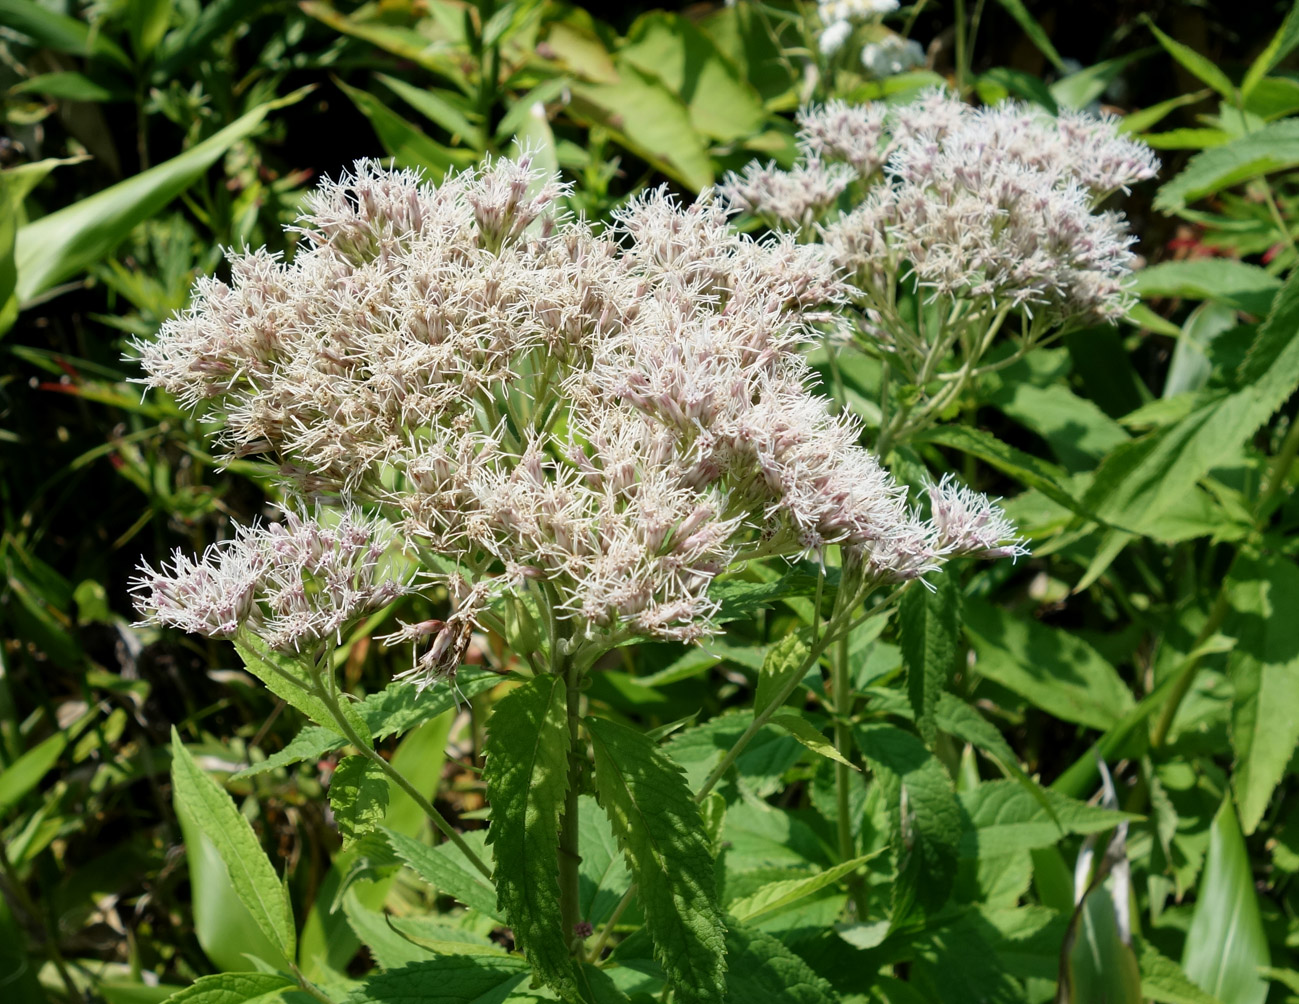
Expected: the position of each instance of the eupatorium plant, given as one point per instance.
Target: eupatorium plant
(953, 225)
(572, 432)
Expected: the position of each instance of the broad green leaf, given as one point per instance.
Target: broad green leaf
(649, 120)
(1282, 44)
(1190, 367)
(929, 626)
(387, 946)
(670, 48)
(58, 31)
(775, 896)
(1201, 67)
(762, 969)
(1055, 670)
(398, 708)
(603, 872)
(250, 872)
(1226, 945)
(1273, 98)
(661, 831)
(406, 144)
(1078, 432)
(1236, 283)
(759, 767)
(62, 244)
(808, 734)
(236, 988)
(1141, 480)
(1004, 818)
(1163, 980)
(1264, 671)
(441, 870)
(1037, 35)
(358, 796)
(147, 22)
(1101, 967)
(786, 662)
(1146, 118)
(1080, 89)
(25, 773)
(68, 85)
(446, 108)
(288, 677)
(925, 812)
(1023, 467)
(449, 979)
(527, 775)
(404, 43)
(1275, 147)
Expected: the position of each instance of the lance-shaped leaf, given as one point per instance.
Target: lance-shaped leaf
(527, 775)
(235, 988)
(449, 979)
(930, 627)
(660, 829)
(763, 969)
(251, 875)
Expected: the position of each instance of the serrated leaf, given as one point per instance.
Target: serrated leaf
(1006, 818)
(1055, 670)
(389, 949)
(785, 662)
(234, 988)
(763, 969)
(1275, 147)
(437, 867)
(399, 707)
(527, 775)
(807, 734)
(661, 831)
(1264, 671)
(1239, 284)
(1226, 945)
(285, 676)
(358, 796)
(251, 874)
(1199, 66)
(449, 979)
(929, 625)
(1163, 980)
(776, 896)
(925, 813)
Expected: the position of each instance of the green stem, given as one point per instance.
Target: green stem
(614, 917)
(841, 689)
(1278, 473)
(1184, 675)
(399, 779)
(569, 858)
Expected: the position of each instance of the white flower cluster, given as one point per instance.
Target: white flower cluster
(996, 204)
(293, 583)
(890, 55)
(606, 419)
(839, 16)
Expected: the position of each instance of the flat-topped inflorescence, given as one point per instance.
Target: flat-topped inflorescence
(608, 419)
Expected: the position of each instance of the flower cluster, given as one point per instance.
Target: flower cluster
(839, 16)
(892, 54)
(293, 583)
(607, 420)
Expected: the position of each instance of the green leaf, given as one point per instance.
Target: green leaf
(1226, 944)
(1146, 118)
(147, 21)
(235, 988)
(776, 896)
(720, 102)
(526, 772)
(661, 831)
(1100, 965)
(1282, 44)
(929, 626)
(785, 662)
(1275, 147)
(387, 946)
(1023, 467)
(65, 242)
(407, 145)
(1005, 818)
(649, 120)
(443, 871)
(358, 796)
(763, 969)
(1080, 89)
(925, 812)
(1201, 67)
(398, 708)
(68, 85)
(807, 734)
(449, 979)
(1037, 35)
(1055, 670)
(1235, 283)
(1264, 671)
(25, 773)
(251, 874)
(603, 872)
(1143, 479)
(58, 31)
(446, 108)
(288, 677)
(1163, 980)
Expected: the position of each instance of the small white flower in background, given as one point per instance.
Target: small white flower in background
(838, 18)
(833, 36)
(891, 55)
(607, 419)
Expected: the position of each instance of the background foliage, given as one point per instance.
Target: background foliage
(1151, 466)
